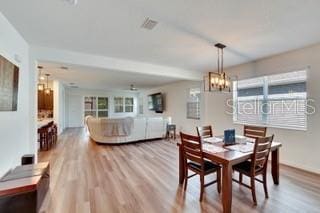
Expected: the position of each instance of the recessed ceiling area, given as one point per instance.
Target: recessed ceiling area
(184, 35)
(101, 79)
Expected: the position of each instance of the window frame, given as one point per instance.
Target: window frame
(95, 111)
(123, 104)
(128, 105)
(192, 101)
(120, 104)
(103, 110)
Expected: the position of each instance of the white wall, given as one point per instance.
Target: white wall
(75, 105)
(16, 128)
(59, 105)
(175, 100)
(300, 148)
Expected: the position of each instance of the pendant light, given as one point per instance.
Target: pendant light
(47, 89)
(218, 81)
(41, 78)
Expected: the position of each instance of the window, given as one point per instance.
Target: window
(276, 101)
(102, 107)
(128, 104)
(118, 104)
(122, 104)
(96, 106)
(193, 104)
(90, 106)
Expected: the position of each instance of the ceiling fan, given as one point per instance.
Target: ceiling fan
(133, 88)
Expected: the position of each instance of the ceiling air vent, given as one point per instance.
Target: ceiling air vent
(72, 2)
(149, 24)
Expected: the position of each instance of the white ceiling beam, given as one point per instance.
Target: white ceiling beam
(109, 63)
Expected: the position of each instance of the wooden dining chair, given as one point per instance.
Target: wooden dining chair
(256, 166)
(204, 131)
(193, 160)
(55, 133)
(50, 136)
(42, 134)
(254, 131)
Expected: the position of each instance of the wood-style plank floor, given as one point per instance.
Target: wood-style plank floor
(143, 177)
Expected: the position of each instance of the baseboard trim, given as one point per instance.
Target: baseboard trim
(311, 172)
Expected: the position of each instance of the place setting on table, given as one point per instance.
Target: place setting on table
(228, 142)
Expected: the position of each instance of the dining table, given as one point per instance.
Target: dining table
(215, 150)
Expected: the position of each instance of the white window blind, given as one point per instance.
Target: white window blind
(193, 104)
(276, 100)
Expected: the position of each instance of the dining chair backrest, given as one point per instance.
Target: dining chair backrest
(42, 130)
(261, 152)
(192, 148)
(204, 131)
(254, 131)
(50, 123)
(49, 126)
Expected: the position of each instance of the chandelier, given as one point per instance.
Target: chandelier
(47, 90)
(218, 81)
(41, 86)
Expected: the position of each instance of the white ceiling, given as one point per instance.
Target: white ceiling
(101, 79)
(251, 29)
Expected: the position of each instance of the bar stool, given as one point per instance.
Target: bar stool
(55, 133)
(42, 137)
(171, 131)
(49, 128)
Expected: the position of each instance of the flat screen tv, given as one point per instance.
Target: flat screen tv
(155, 102)
(9, 82)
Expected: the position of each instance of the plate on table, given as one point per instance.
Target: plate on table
(213, 140)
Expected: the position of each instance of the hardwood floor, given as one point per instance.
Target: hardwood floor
(143, 177)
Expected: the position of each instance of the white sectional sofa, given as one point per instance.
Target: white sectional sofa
(143, 128)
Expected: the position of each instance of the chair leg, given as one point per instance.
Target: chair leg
(41, 142)
(56, 137)
(253, 191)
(219, 180)
(186, 178)
(46, 143)
(265, 185)
(240, 177)
(52, 138)
(202, 186)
